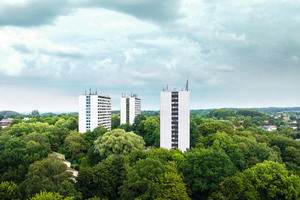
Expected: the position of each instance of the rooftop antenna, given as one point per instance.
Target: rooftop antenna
(167, 87)
(187, 84)
(85, 92)
(96, 91)
(90, 91)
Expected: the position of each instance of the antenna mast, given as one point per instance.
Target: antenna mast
(187, 84)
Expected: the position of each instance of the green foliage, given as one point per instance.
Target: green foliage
(71, 123)
(163, 155)
(247, 123)
(115, 121)
(49, 175)
(127, 127)
(151, 131)
(268, 180)
(50, 196)
(84, 163)
(35, 112)
(9, 191)
(9, 113)
(143, 180)
(172, 187)
(238, 187)
(249, 113)
(104, 179)
(124, 170)
(203, 170)
(1, 117)
(117, 142)
(75, 143)
(212, 127)
(51, 167)
(99, 131)
(221, 113)
(137, 120)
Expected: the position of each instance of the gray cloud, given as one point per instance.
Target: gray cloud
(37, 13)
(236, 54)
(33, 13)
(156, 11)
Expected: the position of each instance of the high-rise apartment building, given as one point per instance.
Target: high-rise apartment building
(94, 110)
(175, 119)
(130, 108)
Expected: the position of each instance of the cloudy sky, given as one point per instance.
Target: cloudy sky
(235, 53)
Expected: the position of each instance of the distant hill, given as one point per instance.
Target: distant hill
(6, 113)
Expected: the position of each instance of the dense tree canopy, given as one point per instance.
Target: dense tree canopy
(117, 142)
(232, 156)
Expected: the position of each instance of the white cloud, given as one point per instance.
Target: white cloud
(293, 59)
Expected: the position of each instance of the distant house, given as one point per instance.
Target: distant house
(26, 118)
(286, 118)
(5, 122)
(69, 169)
(269, 127)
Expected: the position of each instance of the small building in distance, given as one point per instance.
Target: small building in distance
(175, 119)
(269, 127)
(5, 122)
(94, 110)
(130, 108)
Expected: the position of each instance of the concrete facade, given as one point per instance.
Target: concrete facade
(94, 110)
(130, 108)
(175, 119)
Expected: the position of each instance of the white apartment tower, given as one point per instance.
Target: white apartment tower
(175, 119)
(94, 110)
(130, 108)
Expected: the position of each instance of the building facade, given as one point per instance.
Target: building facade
(175, 119)
(130, 108)
(94, 110)
(5, 122)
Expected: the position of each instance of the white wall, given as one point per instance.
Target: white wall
(131, 109)
(165, 120)
(123, 110)
(183, 120)
(94, 111)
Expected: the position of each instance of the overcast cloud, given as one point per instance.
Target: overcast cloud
(235, 53)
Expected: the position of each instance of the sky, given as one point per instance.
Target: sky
(235, 53)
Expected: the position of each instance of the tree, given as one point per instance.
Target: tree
(83, 163)
(51, 175)
(267, 180)
(109, 175)
(9, 191)
(247, 123)
(115, 121)
(210, 128)
(117, 142)
(50, 196)
(1, 117)
(143, 180)
(172, 187)
(85, 182)
(99, 131)
(75, 143)
(127, 127)
(51, 167)
(72, 124)
(137, 120)
(151, 129)
(193, 132)
(35, 112)
(204, 170)
(238, 187)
